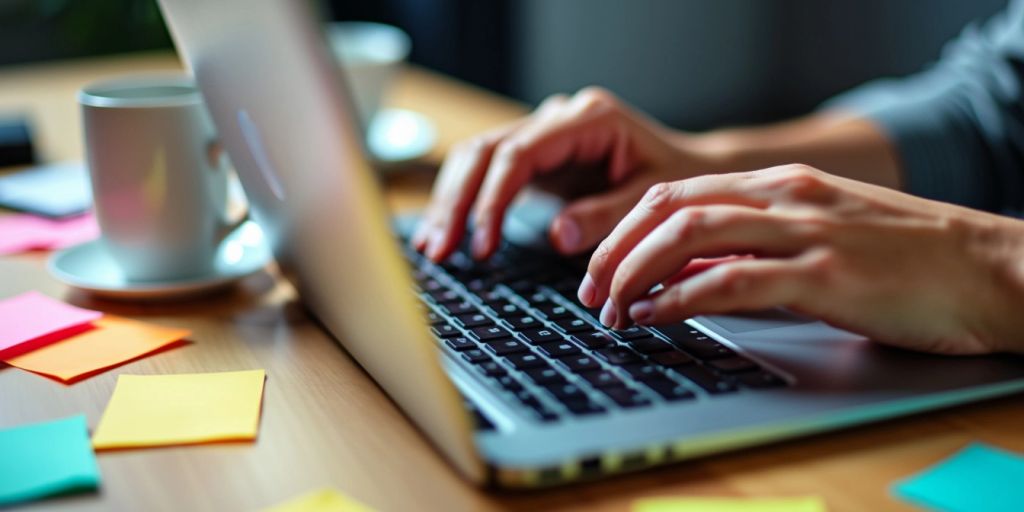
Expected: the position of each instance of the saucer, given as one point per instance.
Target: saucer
(397, 135)
(89, 267)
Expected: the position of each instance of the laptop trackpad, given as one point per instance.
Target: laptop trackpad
(758, 320)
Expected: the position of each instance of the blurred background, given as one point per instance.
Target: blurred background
(693, 64)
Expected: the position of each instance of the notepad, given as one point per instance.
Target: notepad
(44, 459)
(978, 477)
(162, 410)
(114, 341)
(700, 504)
(32, 320)
(323, 500)
(25, 232)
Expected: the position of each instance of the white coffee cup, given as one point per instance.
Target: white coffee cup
(159, 178)
(370, 55)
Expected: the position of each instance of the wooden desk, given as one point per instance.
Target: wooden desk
(325, 423)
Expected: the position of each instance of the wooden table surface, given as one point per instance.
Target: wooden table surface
(325, 423)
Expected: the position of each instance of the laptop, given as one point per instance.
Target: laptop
(513, 381)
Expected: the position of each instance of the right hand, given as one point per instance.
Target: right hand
(485, 173)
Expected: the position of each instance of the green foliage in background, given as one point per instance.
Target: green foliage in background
(47, 29)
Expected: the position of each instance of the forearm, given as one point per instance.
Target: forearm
(838, 143)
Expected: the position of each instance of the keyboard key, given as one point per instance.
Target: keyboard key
(545, 376)
(526, 360)
(445, 331)
(505, 346)
(669, 389)
(733, 365)
(643, 371)
(601, 378)
(432, 285)
(673, 358)
(435, 319)
(470, 320)
(583, 407)
(492, 368)
(560, 349)
(536, 336)
(475, 356)
(506, 309)
(580, 363)
(704, 349)
(595, 340)
(445, 296)
(538, 299)
(508, 382)
(705, 379)
(460, 343)
(524, 322)
(566, 392)
(555, 312)
(573, 325)
(459, 308)
(761, 380)
(618, 355)
(491, 333)
(632, 333)
(650, 345)
(625, 397)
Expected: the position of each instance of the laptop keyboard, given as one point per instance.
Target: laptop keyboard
(516, 320)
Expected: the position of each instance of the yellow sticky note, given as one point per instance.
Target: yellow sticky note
(160, 410)
(794, 504)
(114, 341)
(323, 500)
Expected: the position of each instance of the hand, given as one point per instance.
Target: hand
(488, 171)
(901, 270)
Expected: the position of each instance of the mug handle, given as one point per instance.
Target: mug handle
(218, 161)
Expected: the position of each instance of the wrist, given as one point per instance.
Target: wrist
(1003, 252)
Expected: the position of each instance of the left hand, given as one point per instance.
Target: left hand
(901, 270)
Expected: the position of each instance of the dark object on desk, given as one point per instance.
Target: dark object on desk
(15, 142)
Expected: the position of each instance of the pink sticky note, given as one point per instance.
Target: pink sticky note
(25, 232)
(32, 320)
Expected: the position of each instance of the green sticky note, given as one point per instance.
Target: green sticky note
(695, 504)
(979, 477)
(44, 459)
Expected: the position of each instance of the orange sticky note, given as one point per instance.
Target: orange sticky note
(114, 341)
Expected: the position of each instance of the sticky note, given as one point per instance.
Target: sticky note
(699, 504)
(112, 342)
(31, 320)
(44, 459)
(323, 500)
(979, 477)
(24, 232)
(161, 410)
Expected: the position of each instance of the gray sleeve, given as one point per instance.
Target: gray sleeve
(959, 126)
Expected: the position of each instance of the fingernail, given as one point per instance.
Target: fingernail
(479, 242)
(568, 233)
(608, 314)
(642, 311)
(434, 244)
(587, 291)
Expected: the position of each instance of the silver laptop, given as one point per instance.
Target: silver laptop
(512, 380)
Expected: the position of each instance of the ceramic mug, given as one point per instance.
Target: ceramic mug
(370, 54)
(159, 178)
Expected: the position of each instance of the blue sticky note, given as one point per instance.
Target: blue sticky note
(977, 478)
(44, 459)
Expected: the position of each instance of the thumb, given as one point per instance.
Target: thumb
(583, 223)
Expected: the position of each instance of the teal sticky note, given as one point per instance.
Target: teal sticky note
(44, 459)
(978, 478)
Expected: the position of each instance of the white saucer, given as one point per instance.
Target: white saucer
(397, 135)
(88, 267)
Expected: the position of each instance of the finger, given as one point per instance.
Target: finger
(704, 231)
(457, 185)
(698, 265)
(743, 285)
(581, 131)
(587, 221)
(657, 204)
